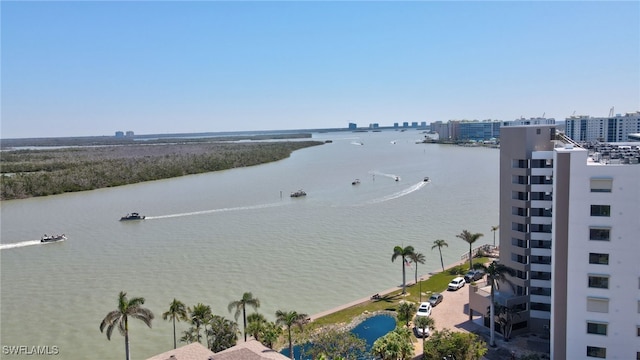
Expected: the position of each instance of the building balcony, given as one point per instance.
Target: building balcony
(540, 283)
(542, 171)
(541, 267)
(542, 220)
(539, 252)
(540, 236)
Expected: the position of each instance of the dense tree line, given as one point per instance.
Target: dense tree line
(28, 173)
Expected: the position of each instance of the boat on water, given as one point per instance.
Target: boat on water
(298, 193)
(52, 238)
(397, 178)
(132, 216)
(355, 182)
(426, 179)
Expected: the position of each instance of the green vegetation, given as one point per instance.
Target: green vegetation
(396, 345)
(290, 319)
(404, 253)
(241, 307)
(177, 312)
(447, 344)
(469, 238)
(335, 344)
(496, 274)
(120, 318)
(28, 173)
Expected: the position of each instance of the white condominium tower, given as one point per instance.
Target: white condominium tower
(570, 227)
(595, 308)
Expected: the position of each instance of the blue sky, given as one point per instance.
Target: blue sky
(93, 68)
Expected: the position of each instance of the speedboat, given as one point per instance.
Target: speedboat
(426, 178)
(132, 216)
(397, 178)
(355, 182)
(52, 238)
(298, 193)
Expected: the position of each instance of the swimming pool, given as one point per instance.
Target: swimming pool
(370, 330)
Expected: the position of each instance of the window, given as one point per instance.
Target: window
(599, 233)
(600, 210)
(597, 352)
(597, 258)
(599, 305)
(598, 281)
(596, 328)
(601, 185)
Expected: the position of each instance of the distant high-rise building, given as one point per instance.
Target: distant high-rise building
(479, 130)
(603, 129)
(119, 133)
(353, 126)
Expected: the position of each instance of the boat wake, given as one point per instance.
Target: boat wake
(25, 243)
(391, 176)
(252, 207)
(399, 194)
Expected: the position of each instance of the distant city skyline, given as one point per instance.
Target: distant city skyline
(93, 68)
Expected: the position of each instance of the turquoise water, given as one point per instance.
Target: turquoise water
(370, 330)
(211, 237)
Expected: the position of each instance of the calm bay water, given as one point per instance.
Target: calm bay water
(208, 238)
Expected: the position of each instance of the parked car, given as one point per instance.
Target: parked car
(424, 309)
(420, 333)
(456, 283)
(435, 299)
(473, 275)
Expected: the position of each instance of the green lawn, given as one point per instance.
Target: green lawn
(435, 283)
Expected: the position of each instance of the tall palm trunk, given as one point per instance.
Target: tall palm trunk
(244, 319)
(174, 333)
(441, 261)
(404, 281)
(290, 344)
(126, 338)
(492, 323)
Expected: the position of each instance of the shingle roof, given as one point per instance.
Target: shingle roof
(250, 350)
(193, 351)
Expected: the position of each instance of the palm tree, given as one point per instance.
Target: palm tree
(222, 333)
(256, 325)
(470, 238)
(439, 244)
(505, 315)
(177, 311)
(199, 316)
(404, 253)
(240, 305)
(494, 229)
(424, 323)
(406, 310)
(416, 258)
(289, 319)
(120, 318)
(496, 273)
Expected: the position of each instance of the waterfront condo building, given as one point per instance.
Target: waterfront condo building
(604, 129)
(595, 307)
(526, 187)
(570, 228)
